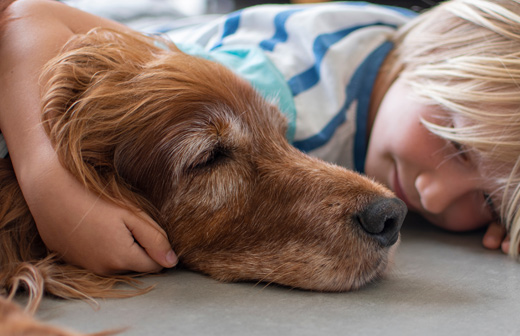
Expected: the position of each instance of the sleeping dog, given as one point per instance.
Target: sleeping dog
(195, 147)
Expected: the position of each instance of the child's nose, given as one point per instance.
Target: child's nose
(437, 191)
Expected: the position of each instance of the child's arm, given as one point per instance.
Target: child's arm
(88, 231)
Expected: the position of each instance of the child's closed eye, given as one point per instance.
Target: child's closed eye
(461, 151)
(490, 205)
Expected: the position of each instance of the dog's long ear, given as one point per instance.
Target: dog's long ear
(123, 111)
(93, 96)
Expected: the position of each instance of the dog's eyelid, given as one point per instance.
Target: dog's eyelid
(210, 157)
(218, 152)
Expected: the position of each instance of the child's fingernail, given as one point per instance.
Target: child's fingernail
(171, 258)
(505, 247)
(492, 242)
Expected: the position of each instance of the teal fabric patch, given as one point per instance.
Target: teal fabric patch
(252, 64)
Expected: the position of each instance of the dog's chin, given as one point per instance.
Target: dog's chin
(348, 279)
(391, 257)
(296, 266)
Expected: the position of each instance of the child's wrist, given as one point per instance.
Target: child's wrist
(38, 173)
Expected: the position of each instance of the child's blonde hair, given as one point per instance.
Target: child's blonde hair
(464, 57)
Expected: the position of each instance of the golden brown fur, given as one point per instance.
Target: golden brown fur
(198, 150)
(15, 322)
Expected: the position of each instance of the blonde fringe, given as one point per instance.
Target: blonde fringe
(511, 211)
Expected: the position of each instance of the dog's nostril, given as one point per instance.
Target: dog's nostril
(383, 219)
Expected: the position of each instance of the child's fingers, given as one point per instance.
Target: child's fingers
(153, 240)
(139, 261)
(108, 249)
(506, 244)
(494, 236)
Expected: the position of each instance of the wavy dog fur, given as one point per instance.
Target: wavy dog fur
(189, 143)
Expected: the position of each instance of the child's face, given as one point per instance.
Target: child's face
(422, 168)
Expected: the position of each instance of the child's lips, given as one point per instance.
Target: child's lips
(401, 194)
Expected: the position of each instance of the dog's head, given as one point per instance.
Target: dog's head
(196, 147)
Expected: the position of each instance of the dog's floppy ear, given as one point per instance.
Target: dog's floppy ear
(93, 98)
(123, 112)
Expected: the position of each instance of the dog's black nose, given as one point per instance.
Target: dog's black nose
(382, 219)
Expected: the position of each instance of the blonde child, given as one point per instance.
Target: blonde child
(458, 65)
(440, 114)
(439, 123)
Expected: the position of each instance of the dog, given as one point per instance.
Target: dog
(15, 322)
(198, 149)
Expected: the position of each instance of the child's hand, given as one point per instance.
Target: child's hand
(93, 233)
(496, 237)
(85, 229)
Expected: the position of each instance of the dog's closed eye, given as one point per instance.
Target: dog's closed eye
(212, 157)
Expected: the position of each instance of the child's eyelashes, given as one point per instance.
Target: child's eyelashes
(490, 205)
(461, 151)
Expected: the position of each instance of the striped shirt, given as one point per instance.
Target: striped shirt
(318, 62)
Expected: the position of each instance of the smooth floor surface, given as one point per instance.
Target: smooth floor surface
(441, 284)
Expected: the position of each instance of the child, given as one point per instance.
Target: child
(428, 113)
(428, 128)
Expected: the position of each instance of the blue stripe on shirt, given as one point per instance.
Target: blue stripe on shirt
(280, 34)
(368, 71)
(360, 89)
(230, 27)
(310, 77)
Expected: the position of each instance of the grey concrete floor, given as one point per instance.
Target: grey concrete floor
(441, 284)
